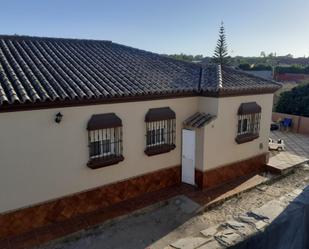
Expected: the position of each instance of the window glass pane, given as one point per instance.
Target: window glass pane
(148, 137)
(95, 149)
(105, 142)
(162, 135)
(157, 136)
(239, 126)
(106, 148)
(244, 125)
(153, 137)
(159, 133)
(248, 124)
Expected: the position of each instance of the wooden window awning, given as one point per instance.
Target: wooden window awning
(104, 121)
(249, 108)
(158, 114)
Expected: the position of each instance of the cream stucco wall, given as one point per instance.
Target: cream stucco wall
(205, 105)
(220, 147)
(208, 105)
(41, 160)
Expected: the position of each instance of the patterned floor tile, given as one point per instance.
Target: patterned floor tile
(297, 150)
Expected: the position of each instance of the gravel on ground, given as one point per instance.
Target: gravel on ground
(243, 203)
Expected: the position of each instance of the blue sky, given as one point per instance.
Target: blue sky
(167, 26)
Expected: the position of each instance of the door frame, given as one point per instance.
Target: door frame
(189, 171)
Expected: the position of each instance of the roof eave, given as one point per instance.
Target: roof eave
(97, 101)
(239, 92)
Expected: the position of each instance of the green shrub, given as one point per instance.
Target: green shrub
(295, 101)
(258, 67)
(293, 69)
(245, 67)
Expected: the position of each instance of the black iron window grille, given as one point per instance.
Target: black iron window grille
(160, 132)
(105, 140)
(105, 143)
(160, 136)
(248, 126)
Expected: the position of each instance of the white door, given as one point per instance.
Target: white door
(188, 156)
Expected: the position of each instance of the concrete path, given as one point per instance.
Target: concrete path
(140, 230)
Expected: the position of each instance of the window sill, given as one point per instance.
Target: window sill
(160, 149)
(97, 163)
(240, 139)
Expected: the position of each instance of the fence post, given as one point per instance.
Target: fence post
(299, 121)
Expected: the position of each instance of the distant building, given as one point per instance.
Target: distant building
(288, 61)
(291, 77)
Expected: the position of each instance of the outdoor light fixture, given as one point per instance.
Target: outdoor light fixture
(58, 117)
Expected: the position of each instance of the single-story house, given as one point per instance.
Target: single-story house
(85, 124)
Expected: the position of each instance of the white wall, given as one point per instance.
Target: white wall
(208, 105)
(205, 105)
(41, 160)
(220, 147)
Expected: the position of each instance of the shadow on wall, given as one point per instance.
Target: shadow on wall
(290, 230)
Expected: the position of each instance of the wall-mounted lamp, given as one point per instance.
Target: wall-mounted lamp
(58, 117)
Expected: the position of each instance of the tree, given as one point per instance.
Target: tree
(263, 54)
(182, 57)
(221, 54)
(245, 66)
(295, 101)
(258, 67)
(198, 57)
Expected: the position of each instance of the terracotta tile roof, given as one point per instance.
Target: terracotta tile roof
(54, 70)
(222, 81)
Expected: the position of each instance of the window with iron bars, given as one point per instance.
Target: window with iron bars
(249, 124)
(105, 147)
(160, 136)
(248, 127)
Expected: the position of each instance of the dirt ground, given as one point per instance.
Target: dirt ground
(243, 203)
(258, 196)
(158, 227)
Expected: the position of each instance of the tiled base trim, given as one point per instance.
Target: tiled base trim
(27, 219)
(223, 174)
